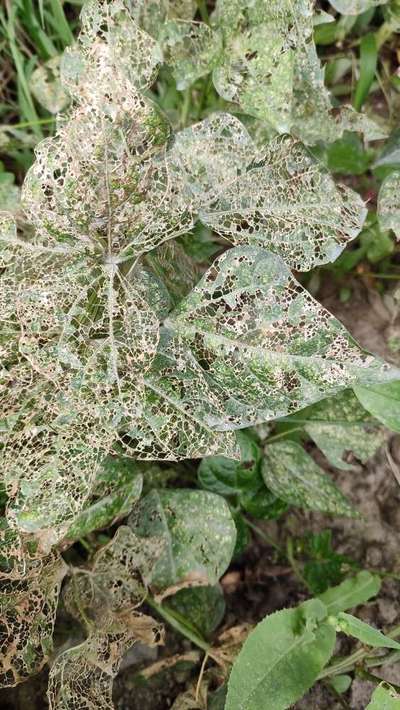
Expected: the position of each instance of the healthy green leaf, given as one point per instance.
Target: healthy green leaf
(383, 402)
(196, 532)
(365, 633)
(281, 659)
(292, 475)
(384, 697)
(352, 592)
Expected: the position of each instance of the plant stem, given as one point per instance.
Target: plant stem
(27, 124)
(173, 621)
(282, 434)
(185, 107)
(293, 563)
(263, 536)
(348, 664)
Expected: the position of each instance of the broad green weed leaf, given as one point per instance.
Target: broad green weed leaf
(293, 475)
(203, 607)
(351, 592)
(265, 346)
(389, 204)
(365, 633)
(197, 530)
(281, 659)
(355, 7)
(383, 402)
(340, 424)
(384, 697)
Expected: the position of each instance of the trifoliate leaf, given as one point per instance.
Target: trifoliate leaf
(196, 532)
(281, 659)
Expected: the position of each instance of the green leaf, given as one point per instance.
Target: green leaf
(228, 477)
(384, 697)
(196, 534)
(264, 346)
(281, 659)
(368, 63)
(341, 683)
(293, 476)
(383, 402)
(365, 633)
(389, 204)
(352, 592)
(203, 607)
(348, 155)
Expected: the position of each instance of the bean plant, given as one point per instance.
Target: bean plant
(153, 322)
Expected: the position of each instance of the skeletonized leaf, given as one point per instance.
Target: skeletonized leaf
(45, 84)
(389, 204)
(112, 500)
(384, 697)
(351, 592)
(365, 633)
(293, 475)
(355, 7)
(281, 659)
(28, 608)
(340, 424)
(104, 599)
(198, 532)
(279, 198)
(109, 38)
(264, 346)
(191, 49)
